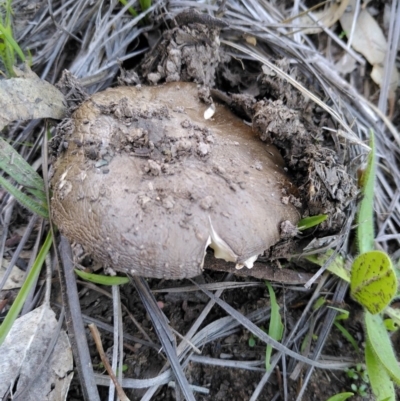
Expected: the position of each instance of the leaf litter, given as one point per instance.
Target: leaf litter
(22, 352)
(247, 18)
(28, 97)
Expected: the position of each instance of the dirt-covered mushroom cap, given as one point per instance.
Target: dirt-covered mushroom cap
(146, 183)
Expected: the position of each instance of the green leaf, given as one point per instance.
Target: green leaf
(337, 266)
(340, 397)
(365, 217)
(381, 384)
(101, 279)
(275, 324)
(347, 336)
(373, 281)
(381, 346)
(25, 289)
(311, 221)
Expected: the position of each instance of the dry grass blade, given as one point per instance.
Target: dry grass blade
(390, 58)
(76, 330)
(263, 271)
(164, 334)
(164, 378)
(159, 380)
(210, 286)
(117, 357)
(110, 329)
(134, 321)
(249, 365)
(329, 319)
(249, 325)
(218, 329)
(182, 348)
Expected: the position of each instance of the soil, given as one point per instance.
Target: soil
(223, 383)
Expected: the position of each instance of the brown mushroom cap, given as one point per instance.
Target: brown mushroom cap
(147, 183)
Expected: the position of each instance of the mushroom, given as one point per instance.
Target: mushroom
(147, 183)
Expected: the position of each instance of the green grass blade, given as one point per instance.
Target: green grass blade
(311, 221)
(145, 4)
(9, 41)
(25, 289)
(275, 325)
(5, 58)
(25, 200)
(130, 9)
(10, 54)
(7, 6)
(347, 336)
(343, 313)
(20, 170)
(101, 279)
(365, 217)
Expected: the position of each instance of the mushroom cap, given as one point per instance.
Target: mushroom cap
(146, 183)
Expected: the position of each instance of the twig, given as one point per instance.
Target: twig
(97, 339)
